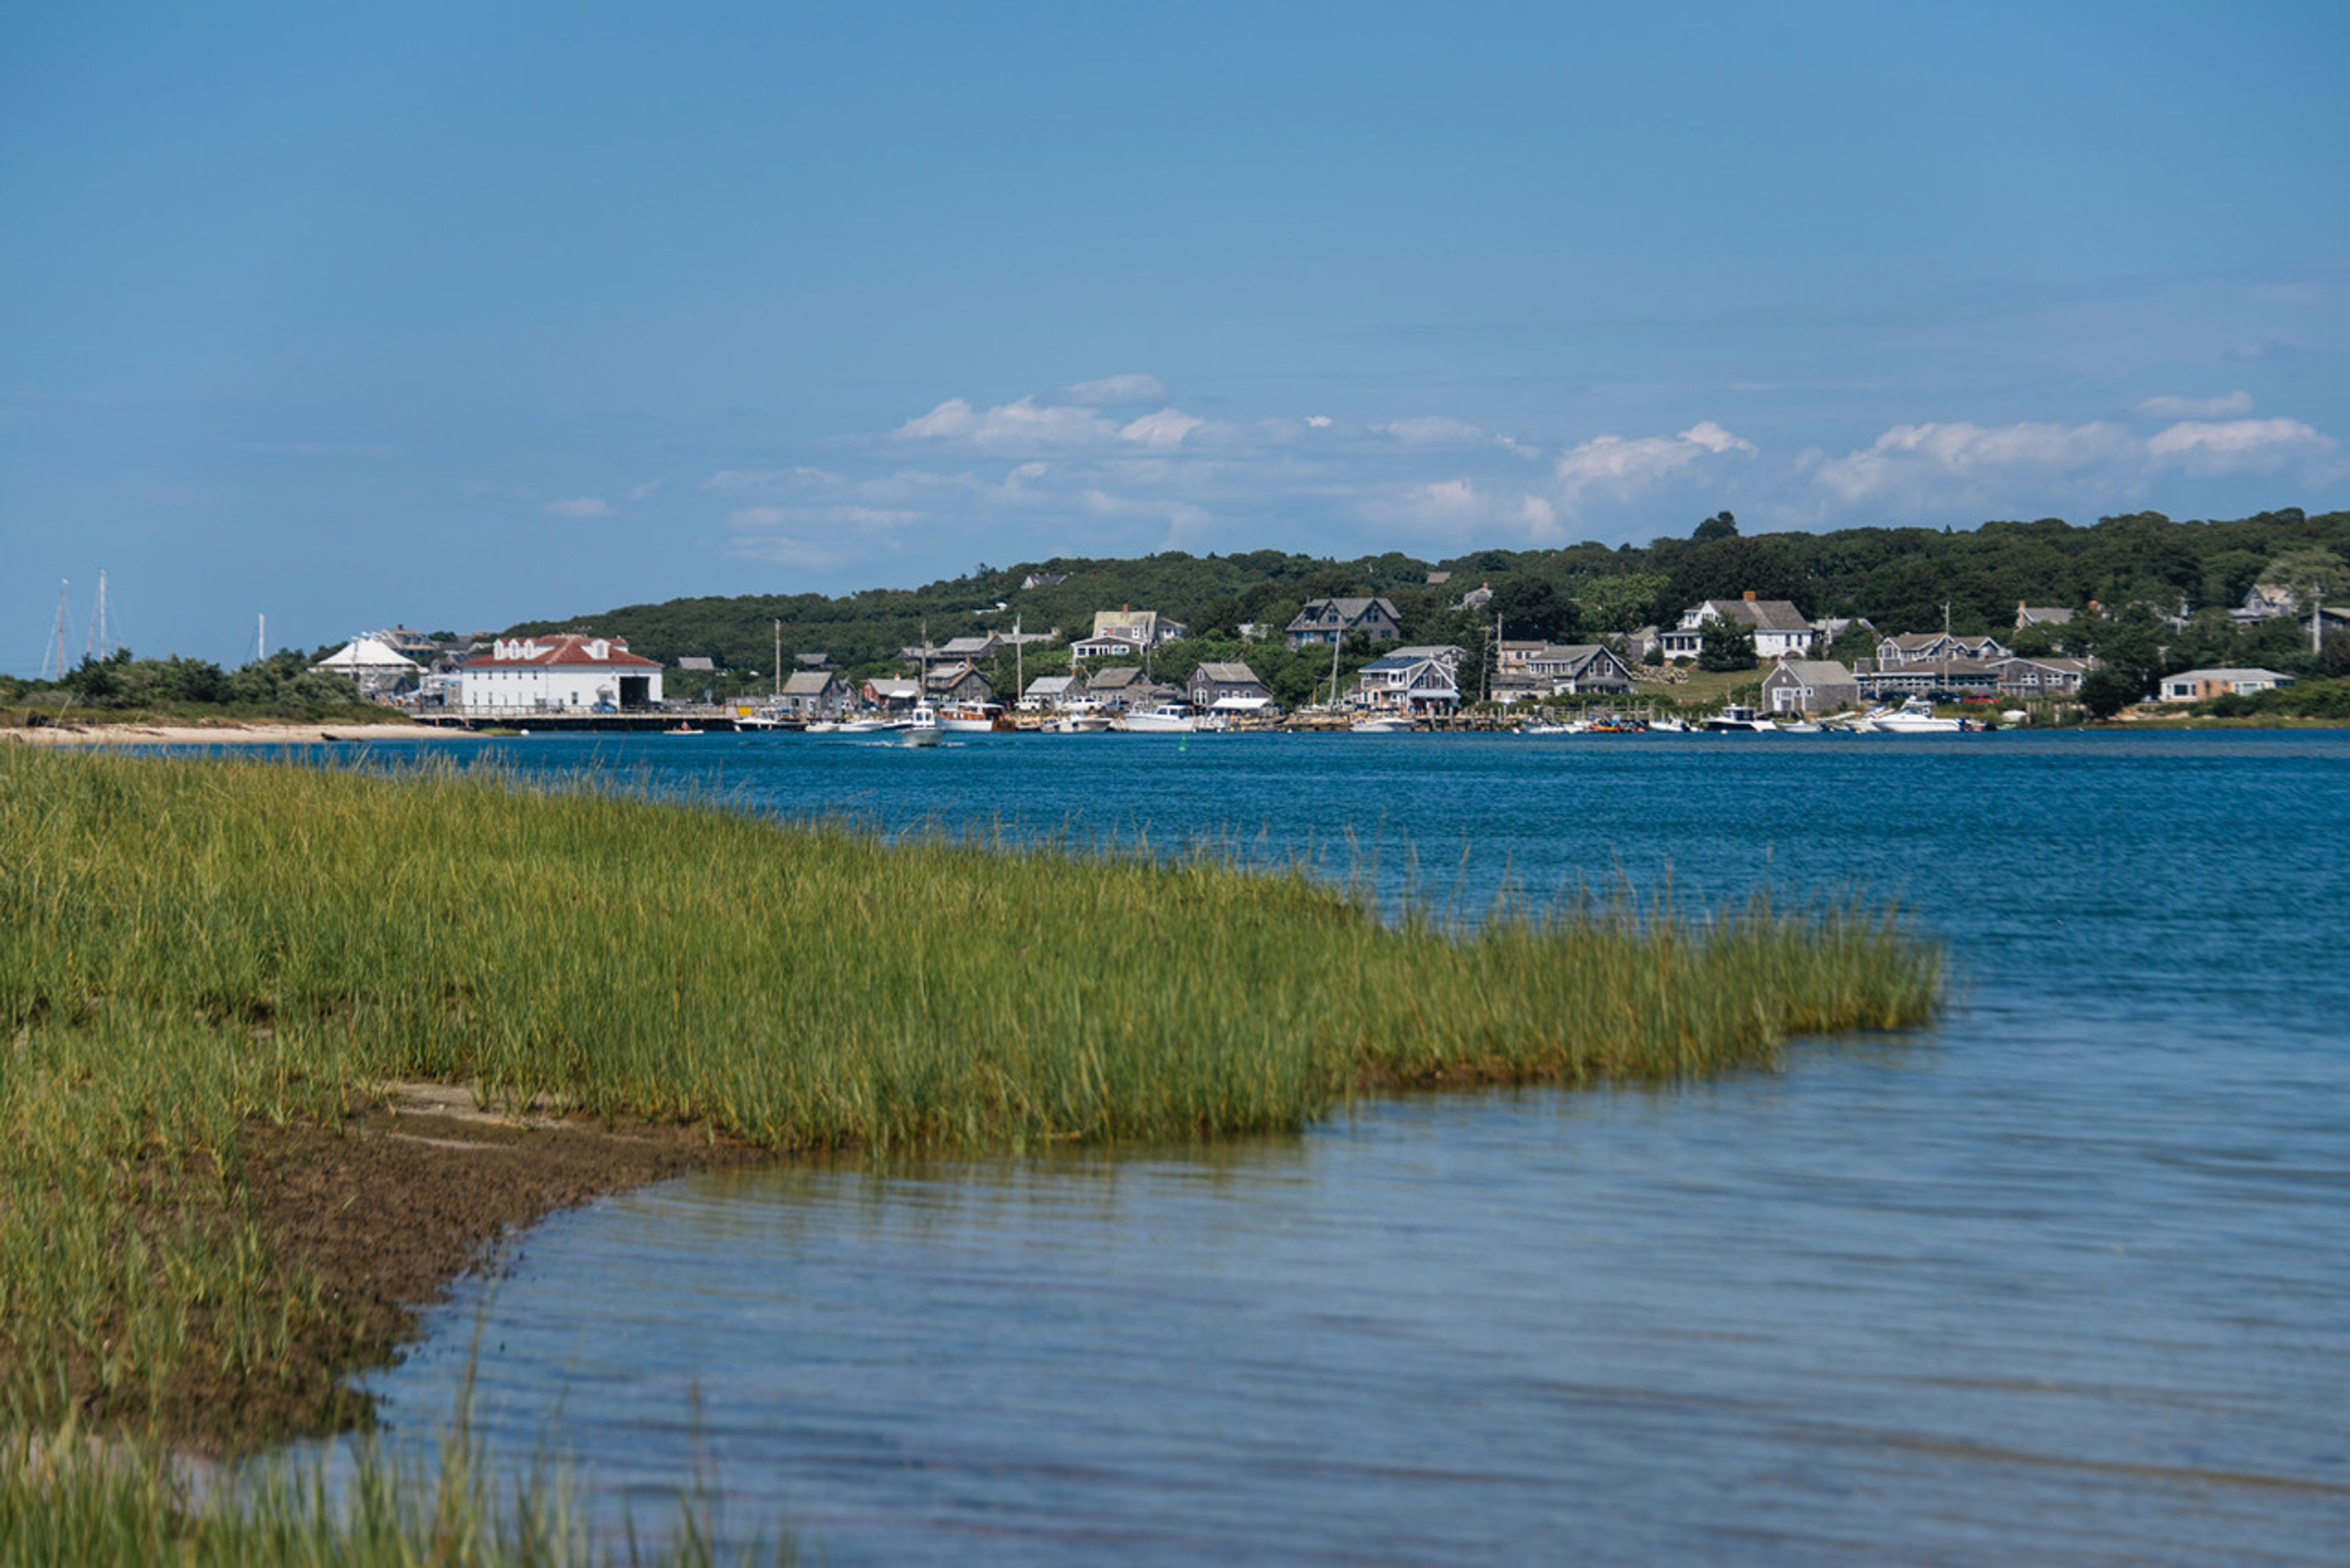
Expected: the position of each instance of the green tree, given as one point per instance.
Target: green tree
(1727, 646)
(1720, 526)
(2106, 692)
(2310, 571)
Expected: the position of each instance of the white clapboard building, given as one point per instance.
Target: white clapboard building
(567, 672)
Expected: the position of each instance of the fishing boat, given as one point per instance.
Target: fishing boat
(921, 726)
(1914, 717)
(1166, 719)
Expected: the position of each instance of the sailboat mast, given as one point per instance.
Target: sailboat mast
(53, 658)
(779, 657)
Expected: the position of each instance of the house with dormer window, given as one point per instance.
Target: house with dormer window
(1409, 680)
(1326, 621)
(1781, 631)
(570, 671)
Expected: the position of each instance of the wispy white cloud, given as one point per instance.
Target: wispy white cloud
(2204, 447)
(1024, 425)
(1432, 429)
(1112, 391)
(580, 506)
(1910, 459)
(2196, 408)
(1622, 467)
(645, 491)
(1165, 428)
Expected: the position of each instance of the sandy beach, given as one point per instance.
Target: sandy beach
(255, 733)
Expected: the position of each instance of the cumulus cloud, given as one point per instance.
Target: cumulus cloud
(1622, 466)
(2196, 408)
(580, 506)
(1319, 422)
(2205, 447)
(1952, 454)
(1111, 391)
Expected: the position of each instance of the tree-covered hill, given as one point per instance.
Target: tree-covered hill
(1899, 578)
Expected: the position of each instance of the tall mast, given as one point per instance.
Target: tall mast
(53, 657)
(95, 641)
(260, 636)
(779, 657)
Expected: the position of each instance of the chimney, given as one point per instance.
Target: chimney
(1750, 596)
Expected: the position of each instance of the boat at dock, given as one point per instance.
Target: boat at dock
(1914, 717)
(1166, 719)
(1739, 720)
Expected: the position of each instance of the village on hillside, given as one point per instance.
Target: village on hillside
(1106, 677)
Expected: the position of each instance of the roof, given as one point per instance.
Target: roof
(965, 647)
(1349, 611)
(365, 653)
(569, 651)
(1230, 674)
(2226, 674)
(697, 661)
(1577, 651)
(809, 683)
(1117, 676)
(893, 685)
(1817, 671)
(1764, 615)
(2042, 615)
(1050, 685)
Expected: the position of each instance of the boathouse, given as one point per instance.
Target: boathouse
(567, 672)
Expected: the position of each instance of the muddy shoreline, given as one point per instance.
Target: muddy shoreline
(386, 1211)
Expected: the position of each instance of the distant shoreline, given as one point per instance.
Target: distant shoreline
(254, 732)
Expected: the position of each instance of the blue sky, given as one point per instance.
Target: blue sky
(457, 315)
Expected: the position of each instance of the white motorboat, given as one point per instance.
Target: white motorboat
(1079, 723)
(1667, 727)
(822, 727)
(922, 726)
(970, 718)
(1739, 720)
(1166, 719)
(1914, 717)
(1385, 725)
(1800, 727)
(871, 724)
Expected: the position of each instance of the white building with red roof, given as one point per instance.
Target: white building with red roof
(566, 673)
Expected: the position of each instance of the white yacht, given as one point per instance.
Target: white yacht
(1914, 717)
(1167, 718)
(1739, 720)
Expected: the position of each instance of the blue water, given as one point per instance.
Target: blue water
(2065, 1278)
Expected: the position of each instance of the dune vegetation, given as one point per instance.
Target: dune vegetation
(199, 952)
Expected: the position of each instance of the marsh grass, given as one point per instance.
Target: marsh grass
(196, 948)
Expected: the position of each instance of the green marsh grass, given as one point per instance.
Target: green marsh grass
(194, 948)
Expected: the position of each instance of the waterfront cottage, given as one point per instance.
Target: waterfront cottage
(1411, 681)
(1779, 629)
(1050, 692)
(891, 695)
(958, 682)
(2202, 685)
(1580, 669)
(1126, 686)
(1124, 632)
(814, 694)
(1938, 646)
(570, 671)
(1809, 686)
(1324, 621)
(1228, 689)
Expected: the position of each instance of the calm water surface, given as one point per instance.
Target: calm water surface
(2065, 1279)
